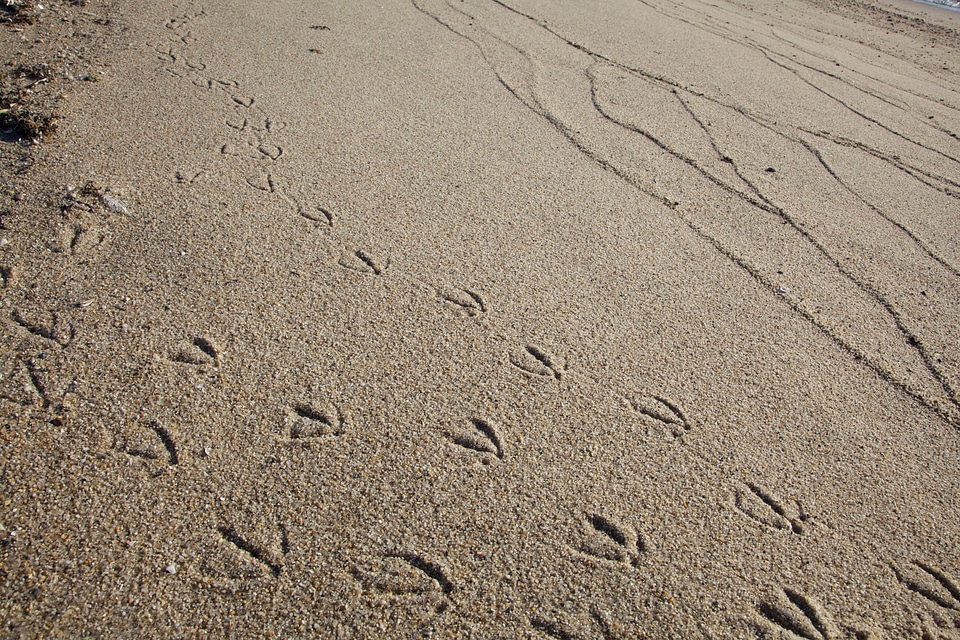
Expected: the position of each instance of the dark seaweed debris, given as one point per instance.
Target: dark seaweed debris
(22, 109)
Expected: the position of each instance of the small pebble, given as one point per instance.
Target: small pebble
(171, 569)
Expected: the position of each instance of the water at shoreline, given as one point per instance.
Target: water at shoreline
(952, 5)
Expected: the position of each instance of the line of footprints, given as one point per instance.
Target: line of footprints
(251, 133)
(604, 540)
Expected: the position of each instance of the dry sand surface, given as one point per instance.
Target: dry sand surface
(563, 319)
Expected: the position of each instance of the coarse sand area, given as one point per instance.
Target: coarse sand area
(570, 319)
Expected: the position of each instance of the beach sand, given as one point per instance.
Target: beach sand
(483, 319)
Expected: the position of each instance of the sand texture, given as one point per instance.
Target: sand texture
(569, 319)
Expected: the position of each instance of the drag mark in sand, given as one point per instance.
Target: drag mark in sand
(937, 182)
(920, 242)
(821, 250)
(926, 379)
(784, 62)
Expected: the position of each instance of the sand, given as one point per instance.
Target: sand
(483, 319)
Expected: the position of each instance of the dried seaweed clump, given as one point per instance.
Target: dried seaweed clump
(22, 108)
(18, 11)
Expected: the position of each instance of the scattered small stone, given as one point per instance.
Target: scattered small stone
(171, 569)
